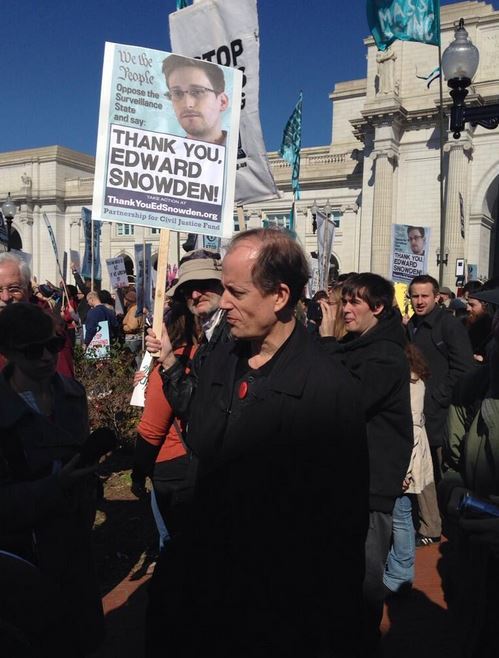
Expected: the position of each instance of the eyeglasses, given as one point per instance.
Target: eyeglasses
(197, 93)
(13, 291)
(35, 351)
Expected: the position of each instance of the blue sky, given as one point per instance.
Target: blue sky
(52, 58)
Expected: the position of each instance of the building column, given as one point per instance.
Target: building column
(27, 235)
(386, 161)
(38, 257)
(459, 155)
(350, 216)
(74, 235)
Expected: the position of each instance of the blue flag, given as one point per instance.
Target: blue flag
(91, 249)
(406, 20)
(181, 4)
(291, 145)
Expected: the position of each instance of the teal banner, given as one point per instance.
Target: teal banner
(291, 145)
(405, 20)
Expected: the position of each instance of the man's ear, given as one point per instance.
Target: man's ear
(282, 296)
(378, 310)
(224, 101)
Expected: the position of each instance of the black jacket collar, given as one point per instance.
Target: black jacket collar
(387, 329)
(289, 373)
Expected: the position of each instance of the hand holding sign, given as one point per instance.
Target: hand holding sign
(161, 348)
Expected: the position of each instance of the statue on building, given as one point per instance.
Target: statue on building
(26, 180)
(386, 71)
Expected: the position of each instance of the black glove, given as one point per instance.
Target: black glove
(138, 487)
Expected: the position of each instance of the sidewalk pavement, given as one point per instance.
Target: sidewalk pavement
(413, 626)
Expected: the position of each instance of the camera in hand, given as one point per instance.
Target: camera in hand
(314, 312)
(99, 443)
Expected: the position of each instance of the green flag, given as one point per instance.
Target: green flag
(407, 20)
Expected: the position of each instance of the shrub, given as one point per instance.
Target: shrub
(109, 386)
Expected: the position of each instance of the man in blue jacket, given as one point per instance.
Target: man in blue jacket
(97, 313)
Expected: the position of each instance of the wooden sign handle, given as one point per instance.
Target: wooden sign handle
(159, 297)
(240, 219)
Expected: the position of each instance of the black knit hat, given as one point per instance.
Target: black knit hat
(24, 323)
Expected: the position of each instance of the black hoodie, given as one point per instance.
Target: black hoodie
(378, 361)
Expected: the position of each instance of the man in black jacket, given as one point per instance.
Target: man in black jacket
(373, 351)
(444, 342)
(271, 562)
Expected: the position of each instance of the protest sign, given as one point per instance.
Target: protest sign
(100, 345)
(65, 266)
(138, 398)
(74, 257)
(117, 272)
(3, 229)
(210, 242)
(409, 255)
(313, 282)
(166, 154)
(472, 272)
(56, 254)
(143, 278)
(54, 243)
(402, 298)
(325, 237)
(91, 268)
(226, 32)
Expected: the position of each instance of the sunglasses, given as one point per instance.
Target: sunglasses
(35, 351)
(208, 285)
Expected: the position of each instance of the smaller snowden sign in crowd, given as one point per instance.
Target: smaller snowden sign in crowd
(410, 249)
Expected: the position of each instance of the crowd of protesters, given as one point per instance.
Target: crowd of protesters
(299, 452)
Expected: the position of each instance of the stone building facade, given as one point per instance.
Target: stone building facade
(382, 167)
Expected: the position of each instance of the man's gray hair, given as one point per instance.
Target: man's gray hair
(9, 257)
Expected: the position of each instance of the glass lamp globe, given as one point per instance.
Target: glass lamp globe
(460, 59)
(9, 208)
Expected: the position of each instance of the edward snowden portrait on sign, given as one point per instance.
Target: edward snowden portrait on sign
(416, 239)
(196, 90)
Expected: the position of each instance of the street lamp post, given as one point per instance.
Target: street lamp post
(459, 65)
(314, 210)
(9, 212)
(442, 259)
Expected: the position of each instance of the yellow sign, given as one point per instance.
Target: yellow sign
(402, 297)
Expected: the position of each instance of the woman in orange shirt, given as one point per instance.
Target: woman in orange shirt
(160, 451)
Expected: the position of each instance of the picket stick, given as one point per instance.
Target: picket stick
(240, 219)
(159, 296)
